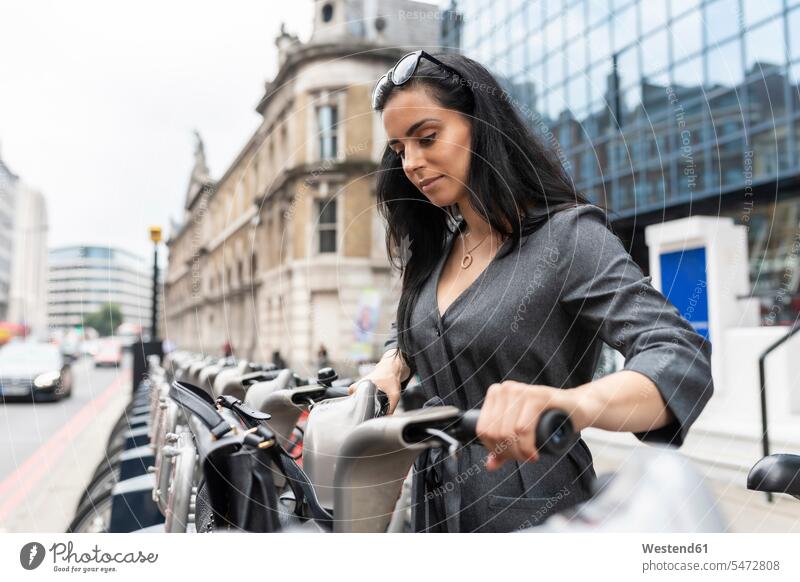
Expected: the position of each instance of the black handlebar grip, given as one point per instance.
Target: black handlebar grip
(466, 427)
(554, 432)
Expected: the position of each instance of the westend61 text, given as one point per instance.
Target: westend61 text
(671, 549)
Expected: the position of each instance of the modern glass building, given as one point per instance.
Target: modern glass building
(83, 278)
(661, 109)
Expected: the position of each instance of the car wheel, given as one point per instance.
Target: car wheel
(68, 392)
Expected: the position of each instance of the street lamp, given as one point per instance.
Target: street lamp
(152, 347)
(155, 236)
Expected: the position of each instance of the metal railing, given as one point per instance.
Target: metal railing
(763, 387)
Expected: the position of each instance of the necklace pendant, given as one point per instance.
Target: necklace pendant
(466, 261)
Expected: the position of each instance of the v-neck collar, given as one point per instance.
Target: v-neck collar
(440, 267)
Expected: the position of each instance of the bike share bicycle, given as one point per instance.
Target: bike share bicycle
(353, 480)
(172, 471)
(658, 490)
(367, 475)
(135, 448)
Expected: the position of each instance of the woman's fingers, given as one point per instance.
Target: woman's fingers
(393, 395)
(508, 427)
(512, 432)
(490, 423)
(526, 430)
(486, 418)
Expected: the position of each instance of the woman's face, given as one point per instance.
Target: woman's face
(432, 142)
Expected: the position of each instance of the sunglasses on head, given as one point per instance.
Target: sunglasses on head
(403, 70)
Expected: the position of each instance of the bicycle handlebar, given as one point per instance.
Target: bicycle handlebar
(554, 431)
(342, 391)
(335, 392)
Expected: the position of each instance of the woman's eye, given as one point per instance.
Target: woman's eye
(428, 139)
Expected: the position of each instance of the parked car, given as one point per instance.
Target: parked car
(89, 347)
(32, 370)
(109, 353)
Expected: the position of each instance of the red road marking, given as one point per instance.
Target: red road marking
(21, 481)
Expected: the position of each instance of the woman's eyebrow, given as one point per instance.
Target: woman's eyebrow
(413, 128)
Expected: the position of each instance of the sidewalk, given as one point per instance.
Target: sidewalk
(61, 473)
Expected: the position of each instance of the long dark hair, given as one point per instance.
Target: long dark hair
(513, 179)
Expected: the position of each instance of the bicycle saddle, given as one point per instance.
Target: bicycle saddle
(258, 392)
(194, 369)
(776, 474)
(207, 375)
(227, 376)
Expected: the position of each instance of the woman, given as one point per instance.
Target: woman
(510, 282)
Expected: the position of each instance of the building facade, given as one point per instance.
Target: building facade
(8, 186)
(286, 252)
(661, 109)
(83, 278)
(28, 288)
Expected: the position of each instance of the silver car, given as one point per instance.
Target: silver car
(35, 371)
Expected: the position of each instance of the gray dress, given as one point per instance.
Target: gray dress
(539, 315)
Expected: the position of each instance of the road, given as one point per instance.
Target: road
(50, 450)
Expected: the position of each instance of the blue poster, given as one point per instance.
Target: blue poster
(684, 283)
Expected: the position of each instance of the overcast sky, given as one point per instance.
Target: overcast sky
(98, 101)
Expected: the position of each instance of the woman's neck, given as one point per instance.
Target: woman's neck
(477, 226)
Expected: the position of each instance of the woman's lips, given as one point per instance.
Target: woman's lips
(430, 183)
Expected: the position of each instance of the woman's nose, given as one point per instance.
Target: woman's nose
(412, 161)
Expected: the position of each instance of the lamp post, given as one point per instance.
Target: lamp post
(152, 347)
(155, 236)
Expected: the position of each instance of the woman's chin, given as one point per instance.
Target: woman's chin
(441, 200)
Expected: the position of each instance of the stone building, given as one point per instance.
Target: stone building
(286, 250)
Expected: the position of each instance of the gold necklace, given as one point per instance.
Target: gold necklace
(466, 261)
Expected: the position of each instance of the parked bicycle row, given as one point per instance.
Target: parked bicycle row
(214, 444)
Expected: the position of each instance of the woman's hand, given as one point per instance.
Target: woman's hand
(509, 416)
(624, 401)
(387, 377)
(386, 382)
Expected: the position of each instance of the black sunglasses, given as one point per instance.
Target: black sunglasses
(403, 70)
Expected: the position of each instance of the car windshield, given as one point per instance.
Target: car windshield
(45, 355)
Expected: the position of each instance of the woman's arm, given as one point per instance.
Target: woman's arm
(609, 298)
(391, 363)
(624, 401)
(666, 381)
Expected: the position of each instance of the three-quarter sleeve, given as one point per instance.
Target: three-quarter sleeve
(391, 341)
(606, 291)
